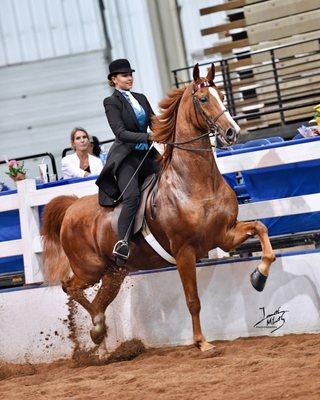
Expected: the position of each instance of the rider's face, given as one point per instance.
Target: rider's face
(123, 81)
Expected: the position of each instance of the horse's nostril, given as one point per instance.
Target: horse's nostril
(230, 133)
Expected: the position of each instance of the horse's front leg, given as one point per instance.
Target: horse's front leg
(186, 264)
(241, 232)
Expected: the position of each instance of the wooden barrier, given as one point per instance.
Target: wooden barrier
(284, 27)
(256, 25)
(274, 9)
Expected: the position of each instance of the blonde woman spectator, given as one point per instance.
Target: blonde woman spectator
(81, 163)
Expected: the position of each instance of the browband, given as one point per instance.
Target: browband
(200, 85)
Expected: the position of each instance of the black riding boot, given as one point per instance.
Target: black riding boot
(121, 249)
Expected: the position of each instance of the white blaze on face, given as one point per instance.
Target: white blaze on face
(233, 123)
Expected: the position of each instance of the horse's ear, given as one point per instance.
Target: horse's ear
(211, 73)
(196, 72)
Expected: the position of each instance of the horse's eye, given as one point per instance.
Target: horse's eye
(203, 99)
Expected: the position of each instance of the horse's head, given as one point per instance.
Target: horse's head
(210, 112)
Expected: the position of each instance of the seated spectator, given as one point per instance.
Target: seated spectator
(81, 163)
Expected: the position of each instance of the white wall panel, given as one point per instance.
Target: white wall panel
(2, 52)
(9, 33)
(60, 40)
(90, 23)
(114, 25)
(131, 37)
(74, 29)
(26, 31)
(38, 29)
(42, 28)
(41, 102)
(192, 23)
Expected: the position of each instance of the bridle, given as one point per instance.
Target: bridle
(213, 128)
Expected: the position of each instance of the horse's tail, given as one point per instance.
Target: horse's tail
(56, 266)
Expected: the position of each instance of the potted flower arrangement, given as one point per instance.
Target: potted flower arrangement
(16, 170)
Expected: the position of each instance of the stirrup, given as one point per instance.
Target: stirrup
(121, 249)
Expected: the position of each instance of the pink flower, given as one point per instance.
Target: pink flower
(12, 163)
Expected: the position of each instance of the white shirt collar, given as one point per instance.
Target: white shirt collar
(133, 100)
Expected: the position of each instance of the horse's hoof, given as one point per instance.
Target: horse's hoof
(102, 351)
(258, 280)
(99, 330)
(208, 350)
(205, 346)
(97, 336)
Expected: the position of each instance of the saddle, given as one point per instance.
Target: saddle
(149, 187)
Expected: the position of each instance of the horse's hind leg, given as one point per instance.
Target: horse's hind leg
(110, 286)
(74, 288)
(241, 232)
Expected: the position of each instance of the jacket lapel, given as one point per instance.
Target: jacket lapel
(128, 107)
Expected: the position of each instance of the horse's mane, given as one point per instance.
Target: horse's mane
(164, 124)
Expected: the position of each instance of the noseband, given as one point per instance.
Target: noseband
(213, 129)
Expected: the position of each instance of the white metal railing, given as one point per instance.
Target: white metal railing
(28, 198)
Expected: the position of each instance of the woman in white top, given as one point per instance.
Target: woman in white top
(81, 163)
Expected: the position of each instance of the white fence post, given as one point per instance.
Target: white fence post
(30, 225)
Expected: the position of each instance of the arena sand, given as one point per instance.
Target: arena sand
(257, 368)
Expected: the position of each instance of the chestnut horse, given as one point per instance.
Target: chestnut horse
(196, 212)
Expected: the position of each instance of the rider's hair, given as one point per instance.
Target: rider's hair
(111, 83)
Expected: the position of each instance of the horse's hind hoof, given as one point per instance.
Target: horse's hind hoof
(99, 329)
(258, 280)
(98, 336)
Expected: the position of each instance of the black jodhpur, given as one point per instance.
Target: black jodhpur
(131, 197)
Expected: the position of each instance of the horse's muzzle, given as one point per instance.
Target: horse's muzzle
(231, 135)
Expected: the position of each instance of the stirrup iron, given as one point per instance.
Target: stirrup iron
(125, 247)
